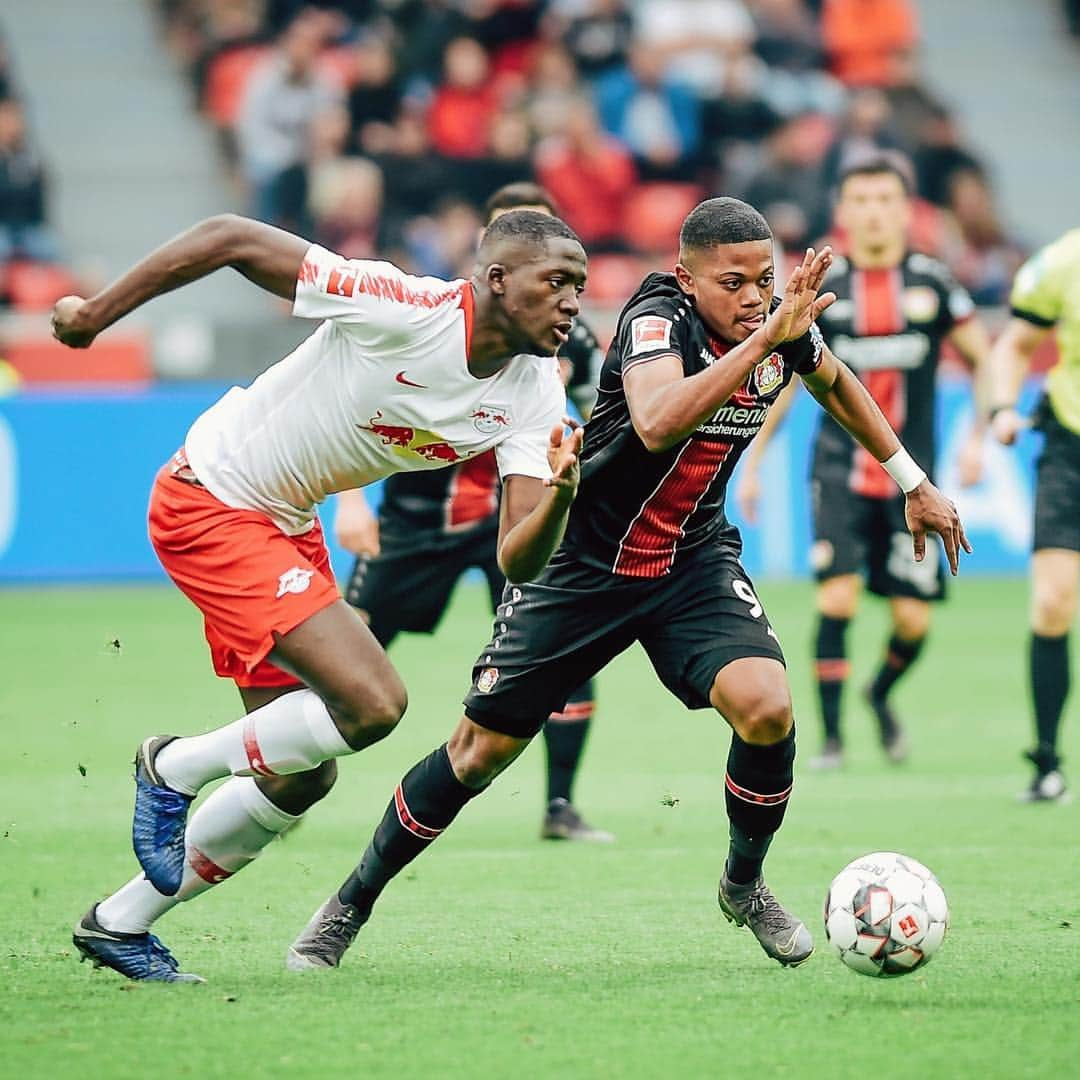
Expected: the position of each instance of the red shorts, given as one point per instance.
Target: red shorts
(249, 579)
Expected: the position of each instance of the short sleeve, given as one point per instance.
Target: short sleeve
(1036, 294)
(650, 332)
(368, 297)
(803, 355)
(957, 305)
(524, 452)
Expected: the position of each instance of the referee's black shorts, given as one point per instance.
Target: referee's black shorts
(1057, 485)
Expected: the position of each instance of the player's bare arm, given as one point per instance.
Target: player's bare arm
(1010, 359)
(356, 528)
(844, 397)
(268, 256)
(972, 341)
(748, 490)
(666, 406)
(533, 515)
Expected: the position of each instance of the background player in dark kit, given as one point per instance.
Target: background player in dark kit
(433, 527)
(698, 359)
(894, 310)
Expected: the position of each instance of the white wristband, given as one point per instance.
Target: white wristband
(902, 468)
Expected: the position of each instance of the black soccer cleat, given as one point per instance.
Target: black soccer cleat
(327, 937)
(780, 934)
(563, 822)
(1048, 784)
(890, 732)
(141, 957)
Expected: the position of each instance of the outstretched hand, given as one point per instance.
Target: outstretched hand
(927, 510)
(70, 325)
(801, 304)
(563, 453)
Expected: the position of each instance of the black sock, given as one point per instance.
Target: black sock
(1049, 660)
(565, 741)
(899, 657)
(758, 783)
(424, 804)
(832, 669)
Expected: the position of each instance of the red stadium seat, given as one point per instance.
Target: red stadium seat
(654, 213)
(118, 357)
(226, 80)
(36, 286)
(612, 278)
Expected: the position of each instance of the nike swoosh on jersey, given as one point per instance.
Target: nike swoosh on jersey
(400, 377)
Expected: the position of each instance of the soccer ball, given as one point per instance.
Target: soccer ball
(885, 915)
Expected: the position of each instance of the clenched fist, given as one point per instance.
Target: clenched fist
(71, 324)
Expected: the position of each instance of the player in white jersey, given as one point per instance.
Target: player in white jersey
(402, 373)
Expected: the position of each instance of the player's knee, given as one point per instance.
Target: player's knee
(368, 712)
(838, 597)
(912, 622)
(321, 779)
(477, 758)
(1052, 610)
(765, 718)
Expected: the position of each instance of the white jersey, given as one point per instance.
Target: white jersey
(382, 386)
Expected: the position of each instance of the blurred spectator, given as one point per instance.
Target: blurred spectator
(444, 243)
(464, 106)
(657, 117)
(864, 130)
(285, 97)
(987, 259)
(788, 187)
(913, 106)
(787, 35)
(375, 96)
(553, 87)
(589, 174)
(345, 200)
(597, 33)
(940, 155)
(1072, 16)
(861, 37)
(739, 116)
(695, 38)
(203, 34)
(24, 231)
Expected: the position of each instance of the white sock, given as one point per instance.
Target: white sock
(292, 733)
(225, 834)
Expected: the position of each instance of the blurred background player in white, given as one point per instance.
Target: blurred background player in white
(434, 526)
(1045, 296)
(402, 373)
(895, 308)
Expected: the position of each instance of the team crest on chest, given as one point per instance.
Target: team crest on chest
(769, 374)
(920, 303)
(487, 419)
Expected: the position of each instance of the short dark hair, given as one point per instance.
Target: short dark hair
(879, 163)
(722, 221)
(528, 225)
(521, 193)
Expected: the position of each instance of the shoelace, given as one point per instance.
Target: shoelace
(156, 951)
(341, 927)
(763, 904)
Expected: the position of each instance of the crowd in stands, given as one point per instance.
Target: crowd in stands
(378, 127)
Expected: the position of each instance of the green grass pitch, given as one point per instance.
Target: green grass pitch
(496, 955)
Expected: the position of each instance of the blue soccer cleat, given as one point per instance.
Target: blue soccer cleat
(157, 829)
(138, 956)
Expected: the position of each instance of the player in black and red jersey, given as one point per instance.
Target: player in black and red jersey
(698, 359)
(435, 526)
(894, 310)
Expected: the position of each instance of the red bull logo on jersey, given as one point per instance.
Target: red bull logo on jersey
(488, 419)
(425, 444)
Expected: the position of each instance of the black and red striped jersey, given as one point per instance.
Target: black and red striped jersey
(465, 497)
(887, 325)
(638, 513)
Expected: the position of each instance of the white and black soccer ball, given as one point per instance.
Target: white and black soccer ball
(885, 915)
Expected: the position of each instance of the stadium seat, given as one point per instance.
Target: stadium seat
(119, 357)
(36, 286)
(612, 278)
(654, 215)
(226, 79)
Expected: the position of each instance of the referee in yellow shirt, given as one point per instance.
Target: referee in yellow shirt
(1046, 297)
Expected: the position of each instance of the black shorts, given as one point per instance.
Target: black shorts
(407, 586)
(854, 534)
(1057, 487)
(553, 634)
